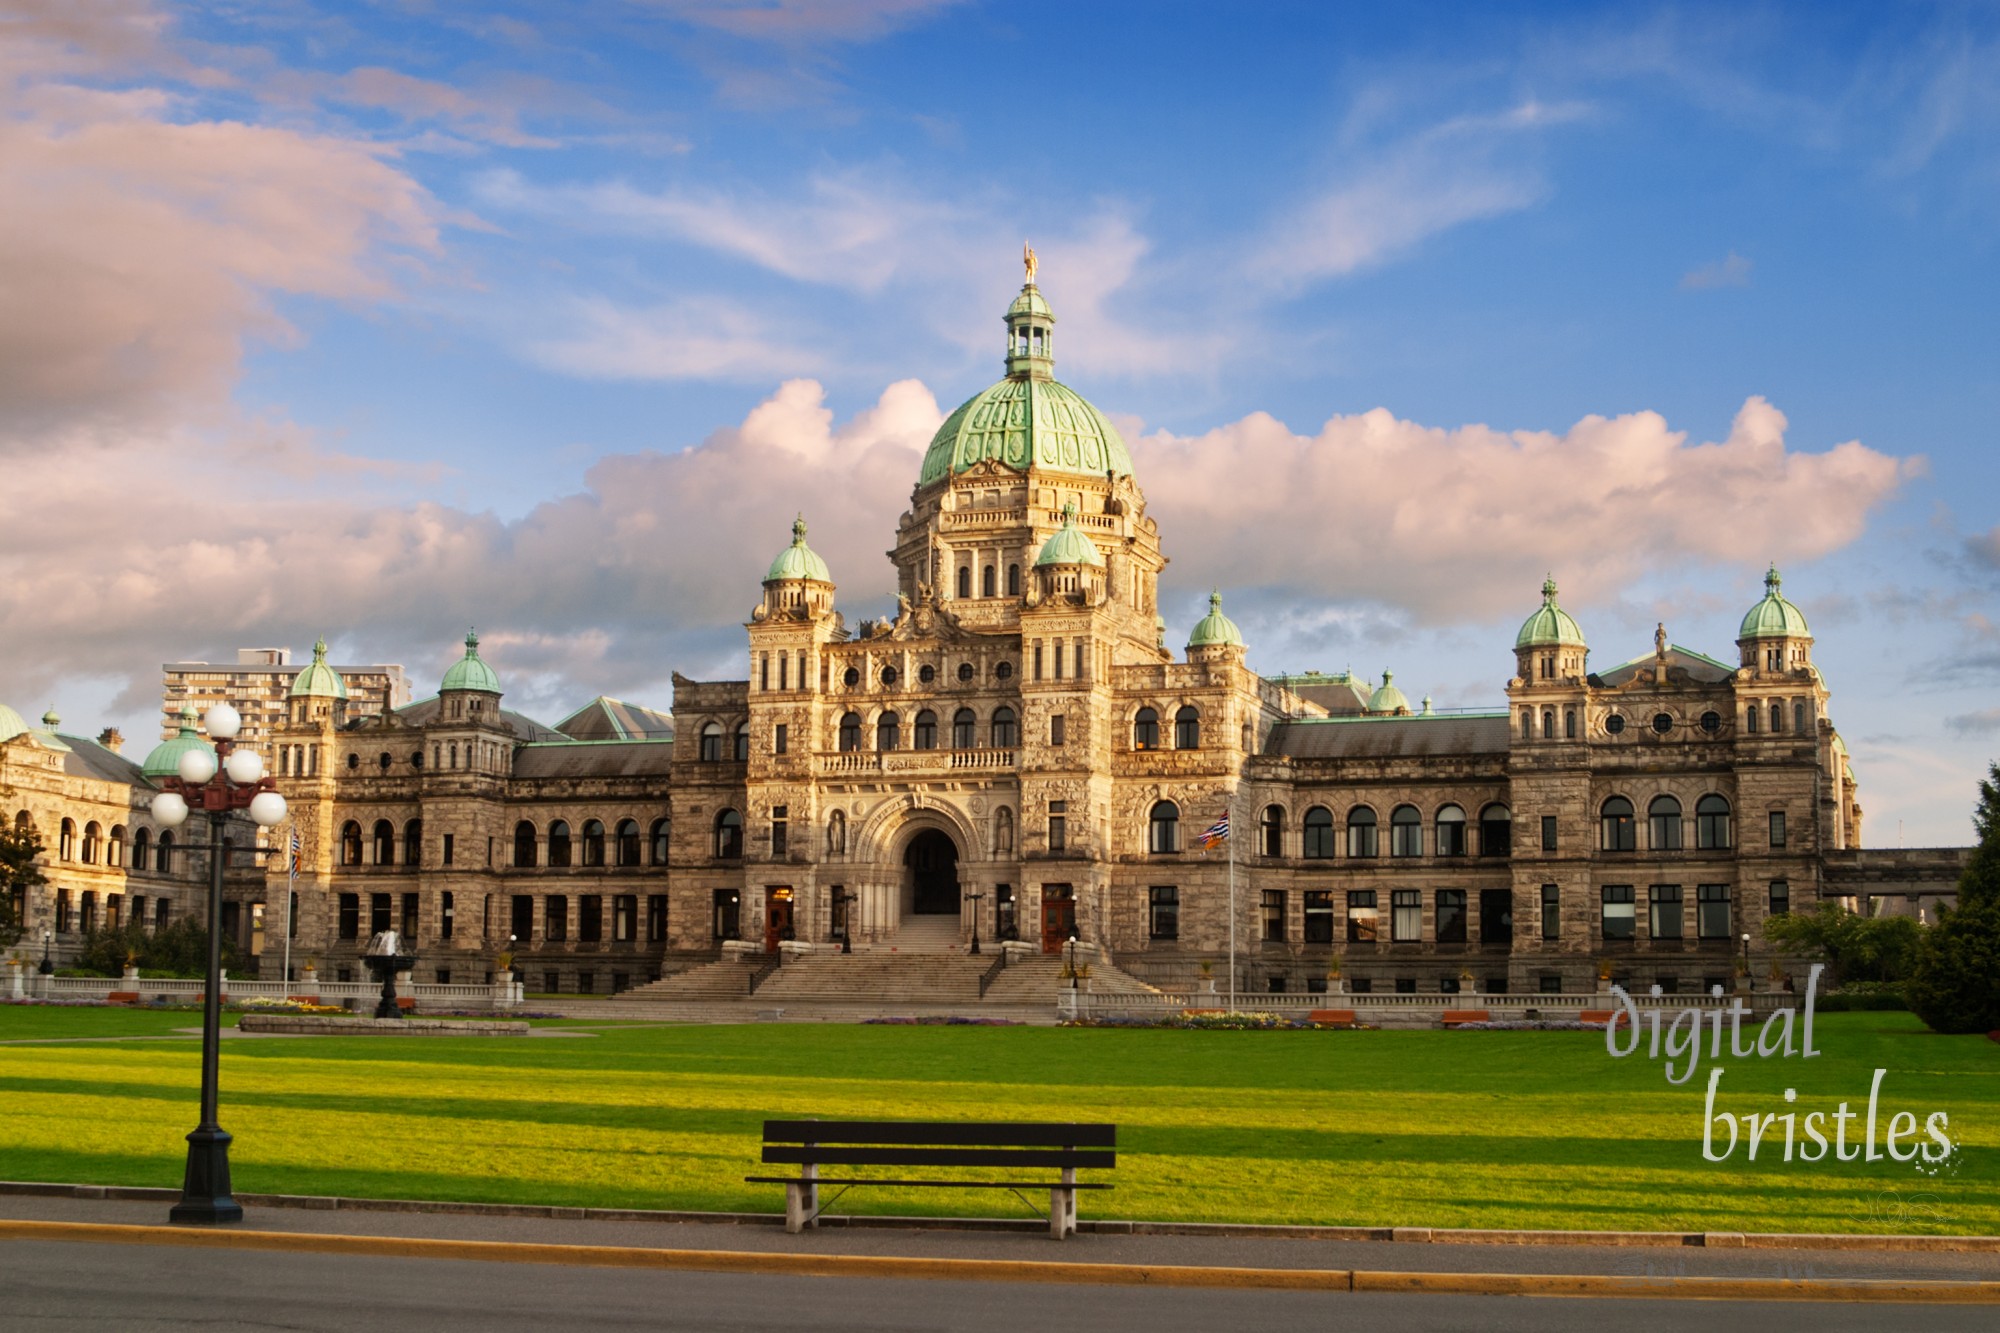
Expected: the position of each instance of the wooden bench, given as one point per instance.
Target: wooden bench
(1010, 1147)
(1332, 1016)
(1453, 1017)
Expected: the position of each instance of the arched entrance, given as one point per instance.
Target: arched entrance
(930, 870)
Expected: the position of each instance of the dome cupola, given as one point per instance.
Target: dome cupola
(1068, 546)
(799, 561)
(12, 723)
(318, 680)
(1774, 635)
(798, 585)
(1215, 630)
(1550, 646)
(165, 760)
(470, 673)
(1387, 699)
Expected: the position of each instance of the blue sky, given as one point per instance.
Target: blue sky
(548, 317)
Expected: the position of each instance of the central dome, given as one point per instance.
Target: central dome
(1027, 420)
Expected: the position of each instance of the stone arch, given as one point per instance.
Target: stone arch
(885, 833)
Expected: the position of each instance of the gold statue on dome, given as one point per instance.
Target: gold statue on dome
(1029, 262)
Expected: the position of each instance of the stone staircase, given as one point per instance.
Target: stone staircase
(920, 935)
(726, 979)
(1039, 980)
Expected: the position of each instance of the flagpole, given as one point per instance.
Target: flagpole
(1227, 814)
(291, 892)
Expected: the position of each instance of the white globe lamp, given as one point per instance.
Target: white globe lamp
(196, 766)
(222, 723)
(268, 809)
(244, 767)
(169, 809)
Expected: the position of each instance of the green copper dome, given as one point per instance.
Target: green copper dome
(1215, 629)
(469, 672)
(165, 760)
(12, 723)
(1028, 419)
(1068, 546)
(1387, 698)
(1550, 624)
(799, 561)
(319, 681)
(1774, 617)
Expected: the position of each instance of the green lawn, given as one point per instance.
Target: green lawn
(1488, 1129)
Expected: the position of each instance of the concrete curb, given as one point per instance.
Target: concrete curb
(1714, 1240)
(1010, 1270)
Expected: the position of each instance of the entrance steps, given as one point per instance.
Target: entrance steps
(864, 982)
(726, 979)
(920, 935)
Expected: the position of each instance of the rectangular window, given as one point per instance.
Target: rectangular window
(1006, 913)
(350, 916)
(1058, 826)
(1038, 661)
(1451, 916)
(445, 922)
(1362, 923)
(1164, 906)
(656, 918)
(590, 918)
(1056, 729)
(1406, 985)
(447, 848)
(780, 814)
(1664, 901)
(555, 918)
(378, 913)
(522, 925)
(1319, 916)
(1274, 914)
(1552, 912)
(1548, 833)
(1407, 922)
(551, 983)
(781, 739)
(410, 911)
(1713, 908)
(1781, 897)
(1777, 830)
(1551, 983)
(586, 983)
(625, 918)
(1620, 913)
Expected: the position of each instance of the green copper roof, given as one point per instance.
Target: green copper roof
(1550, 623)
(319, 681)
(12, 723)
(469, 672)
(1387, 698)
(799, 561)
(1774, 617)
(1028, 419)
(1215, 628)
(1068, 546)
(165, 760)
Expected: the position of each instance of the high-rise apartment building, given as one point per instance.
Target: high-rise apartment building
(259, 681)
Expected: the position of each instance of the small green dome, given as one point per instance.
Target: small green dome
(1215, 628)
(165, 760)
(12, 723)
(1774, 617)
(1068, 546)
(799, 561)
(1031, 302)
(319, 681)
(469, 672)
(1550, 624)
(1387, 698)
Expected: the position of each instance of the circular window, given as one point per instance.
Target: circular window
(888, 675)
(926, 674)
(1663, 723)
(851, 677)
(965, 671)
(1615, 723)
(1004, 671)
(1711, 722)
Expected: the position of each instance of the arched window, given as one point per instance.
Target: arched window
(1273, 824)
(923, 735)
(742, 742)
(850, 731)
(836, 833)
(628, 842)
(1664, 814)
(66, 841)
(1799, 715)
(593, 842)
(1548, 724)
(1003, 832)
(1164, 828)
(524, 844)
(142, 850)
(166, 857)
(1363, 837)
(1146, 730)
(116, 847)
(1450, 828)
(1318, 842)
(1569, 724)
(1615, 820)
(350, 844)
(93, 837)
(711, 743)
(1496, 831)
(660, 841)
(962, 726)
(888, 731)
(559, 845)
(965, 582)
(385, 843)
(1187, 728)
(1777, 717)
(986, 584)
(1527, 724)
(1013, 580)
(1711, 821)
(1005, 736)
(1406, 831)
(728, 835)
(413, 843)
(1750, 719)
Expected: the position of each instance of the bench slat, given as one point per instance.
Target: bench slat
(889, 1156)
(947, 1184)
(910, 1133)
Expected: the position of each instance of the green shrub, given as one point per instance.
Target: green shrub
(1956, 984)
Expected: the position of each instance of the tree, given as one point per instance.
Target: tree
(20, 874)
(1860, 948)
(1956, 985)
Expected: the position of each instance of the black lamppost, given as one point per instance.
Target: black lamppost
(218, 782)
(974, 899)
(1072, 961)
(1749, 982)
(48, 966)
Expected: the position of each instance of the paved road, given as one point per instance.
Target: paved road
(132, 1288)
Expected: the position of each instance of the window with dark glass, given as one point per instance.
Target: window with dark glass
(1450, 829)
(780, 831)
(625, 918)
(1164, 912)
(660, 842)
(923, 735)
(521, 919)
(1273, 913)
(1271, 830)
(627, 839)
(781, 738)
(1317, 840)
(593, 842)
(1013, 580)
(1056, 729)
(1406, 922)
(1711, 822)
(888, 730)
(524, 844)
(1664, 816)
(559, 845)
(1712, 907)
(413, 843)
(1406, 831)
(350, 844)
(1496, 831)
(742, 742)
(1781, 897)
(965, 582)
(350, 916)
(379, 910)
(728, 835)
(1711, 722)
(1005, 735)
(1058, 826)
(1362, 833)
(1619, 912)
(590, 918)
(1451, 916)
(447, 918)
(1548, 833)
(1663, 723)
(1615, 724)
(656, 918)
(1552, 912)
(1619, 832)
(1362, 922)
(850, 731)
(986, 582)
(1164, 828)
(1777, 830)
(1146, 730)
(1319, 916)
(555, 918)
(447, 849)
(1665, 902)
(963, 727)
(1187, 728)
(711, 743)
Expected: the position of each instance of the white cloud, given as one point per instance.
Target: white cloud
(1733, 271)
(706, 338)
